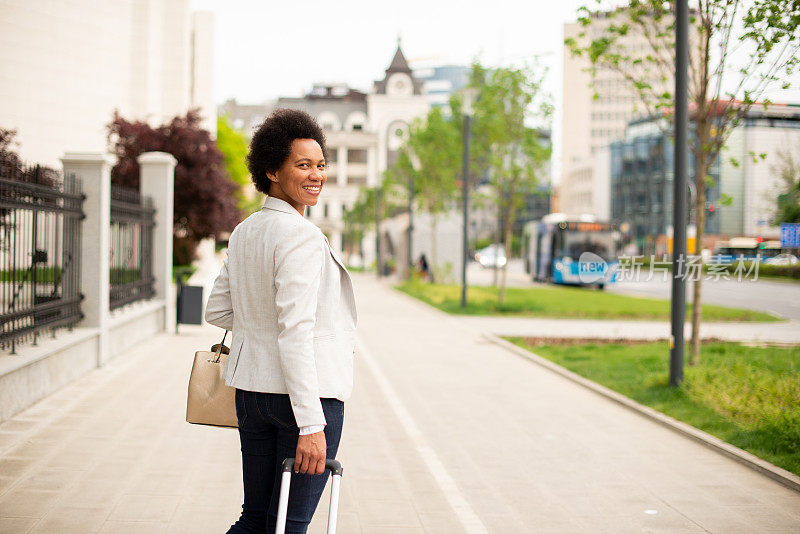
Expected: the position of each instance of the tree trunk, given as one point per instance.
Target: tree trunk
(497, 240)
(703, 122)
(697, 300)
(434, 249)
(507, 244)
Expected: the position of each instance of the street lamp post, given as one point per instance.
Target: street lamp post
(378, 258)
(410, 225)
(679, 192)
(468, 97)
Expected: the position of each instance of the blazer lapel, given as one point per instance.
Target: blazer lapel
(336, 256)
(349, 292)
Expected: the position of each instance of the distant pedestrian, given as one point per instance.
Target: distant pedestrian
(288, 300)
(424, 270)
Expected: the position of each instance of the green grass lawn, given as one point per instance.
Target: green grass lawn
(747, 396)
(566, 302)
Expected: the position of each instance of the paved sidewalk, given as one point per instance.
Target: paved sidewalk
(531, 451)
(777, 332)
(445, 433)
(111, 453)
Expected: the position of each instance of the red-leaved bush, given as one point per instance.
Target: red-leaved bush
(205, 204)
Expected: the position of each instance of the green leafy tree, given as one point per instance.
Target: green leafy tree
(762, 32)
(233, 145)
(430, 160)
(356, 225)
(788, 201)
(371, 205)
(505, 145)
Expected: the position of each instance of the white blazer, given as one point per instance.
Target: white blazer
(288, 300)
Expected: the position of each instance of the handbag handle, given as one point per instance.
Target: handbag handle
(218, 352)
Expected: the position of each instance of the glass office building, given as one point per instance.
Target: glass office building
(642, 190)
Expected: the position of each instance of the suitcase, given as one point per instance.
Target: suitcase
(283, 500)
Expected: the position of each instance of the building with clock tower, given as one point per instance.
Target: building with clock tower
(393, 104)
(363, 132)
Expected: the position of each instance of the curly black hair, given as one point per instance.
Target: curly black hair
(272, 143)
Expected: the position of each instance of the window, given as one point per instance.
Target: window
(325, 210)
(333, 153)
(357, 155)
(356, 180)
(355, 121)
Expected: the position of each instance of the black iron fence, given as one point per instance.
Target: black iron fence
(40, 250)
(132, 222)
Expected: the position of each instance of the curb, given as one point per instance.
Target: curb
(745, 458)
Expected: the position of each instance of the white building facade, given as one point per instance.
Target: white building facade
(66, 66)
(363, 133)
(587, 188)
(755, 183)
(393, 104)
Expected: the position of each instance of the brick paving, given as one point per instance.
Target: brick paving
(440, 420)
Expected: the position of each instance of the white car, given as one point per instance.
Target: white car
(782, 259)
(492, 256)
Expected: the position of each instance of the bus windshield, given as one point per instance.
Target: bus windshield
(573, 244)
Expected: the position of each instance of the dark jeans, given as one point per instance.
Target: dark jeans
(268, 433)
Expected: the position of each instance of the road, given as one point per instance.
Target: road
(781, 298)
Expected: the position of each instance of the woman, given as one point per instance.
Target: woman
(289, 302)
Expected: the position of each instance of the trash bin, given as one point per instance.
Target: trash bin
(189, 308)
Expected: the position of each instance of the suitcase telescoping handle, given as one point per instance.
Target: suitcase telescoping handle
(283, 501)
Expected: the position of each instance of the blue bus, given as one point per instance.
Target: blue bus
(571, 250)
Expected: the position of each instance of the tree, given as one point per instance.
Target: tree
(356, 224)
(511, 151)
(13, 168)
(233, 145)
(361, 217)
(430, 160)
(788, 201)
(765, 32)
(205, 203)
(7, 153)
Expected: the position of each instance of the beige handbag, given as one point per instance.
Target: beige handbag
(210, 400)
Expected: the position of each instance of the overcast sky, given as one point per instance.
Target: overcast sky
(265, 49)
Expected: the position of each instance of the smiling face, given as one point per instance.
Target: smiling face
(300, 179)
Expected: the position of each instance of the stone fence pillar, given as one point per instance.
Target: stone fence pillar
(157, 180)
(94, 170)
